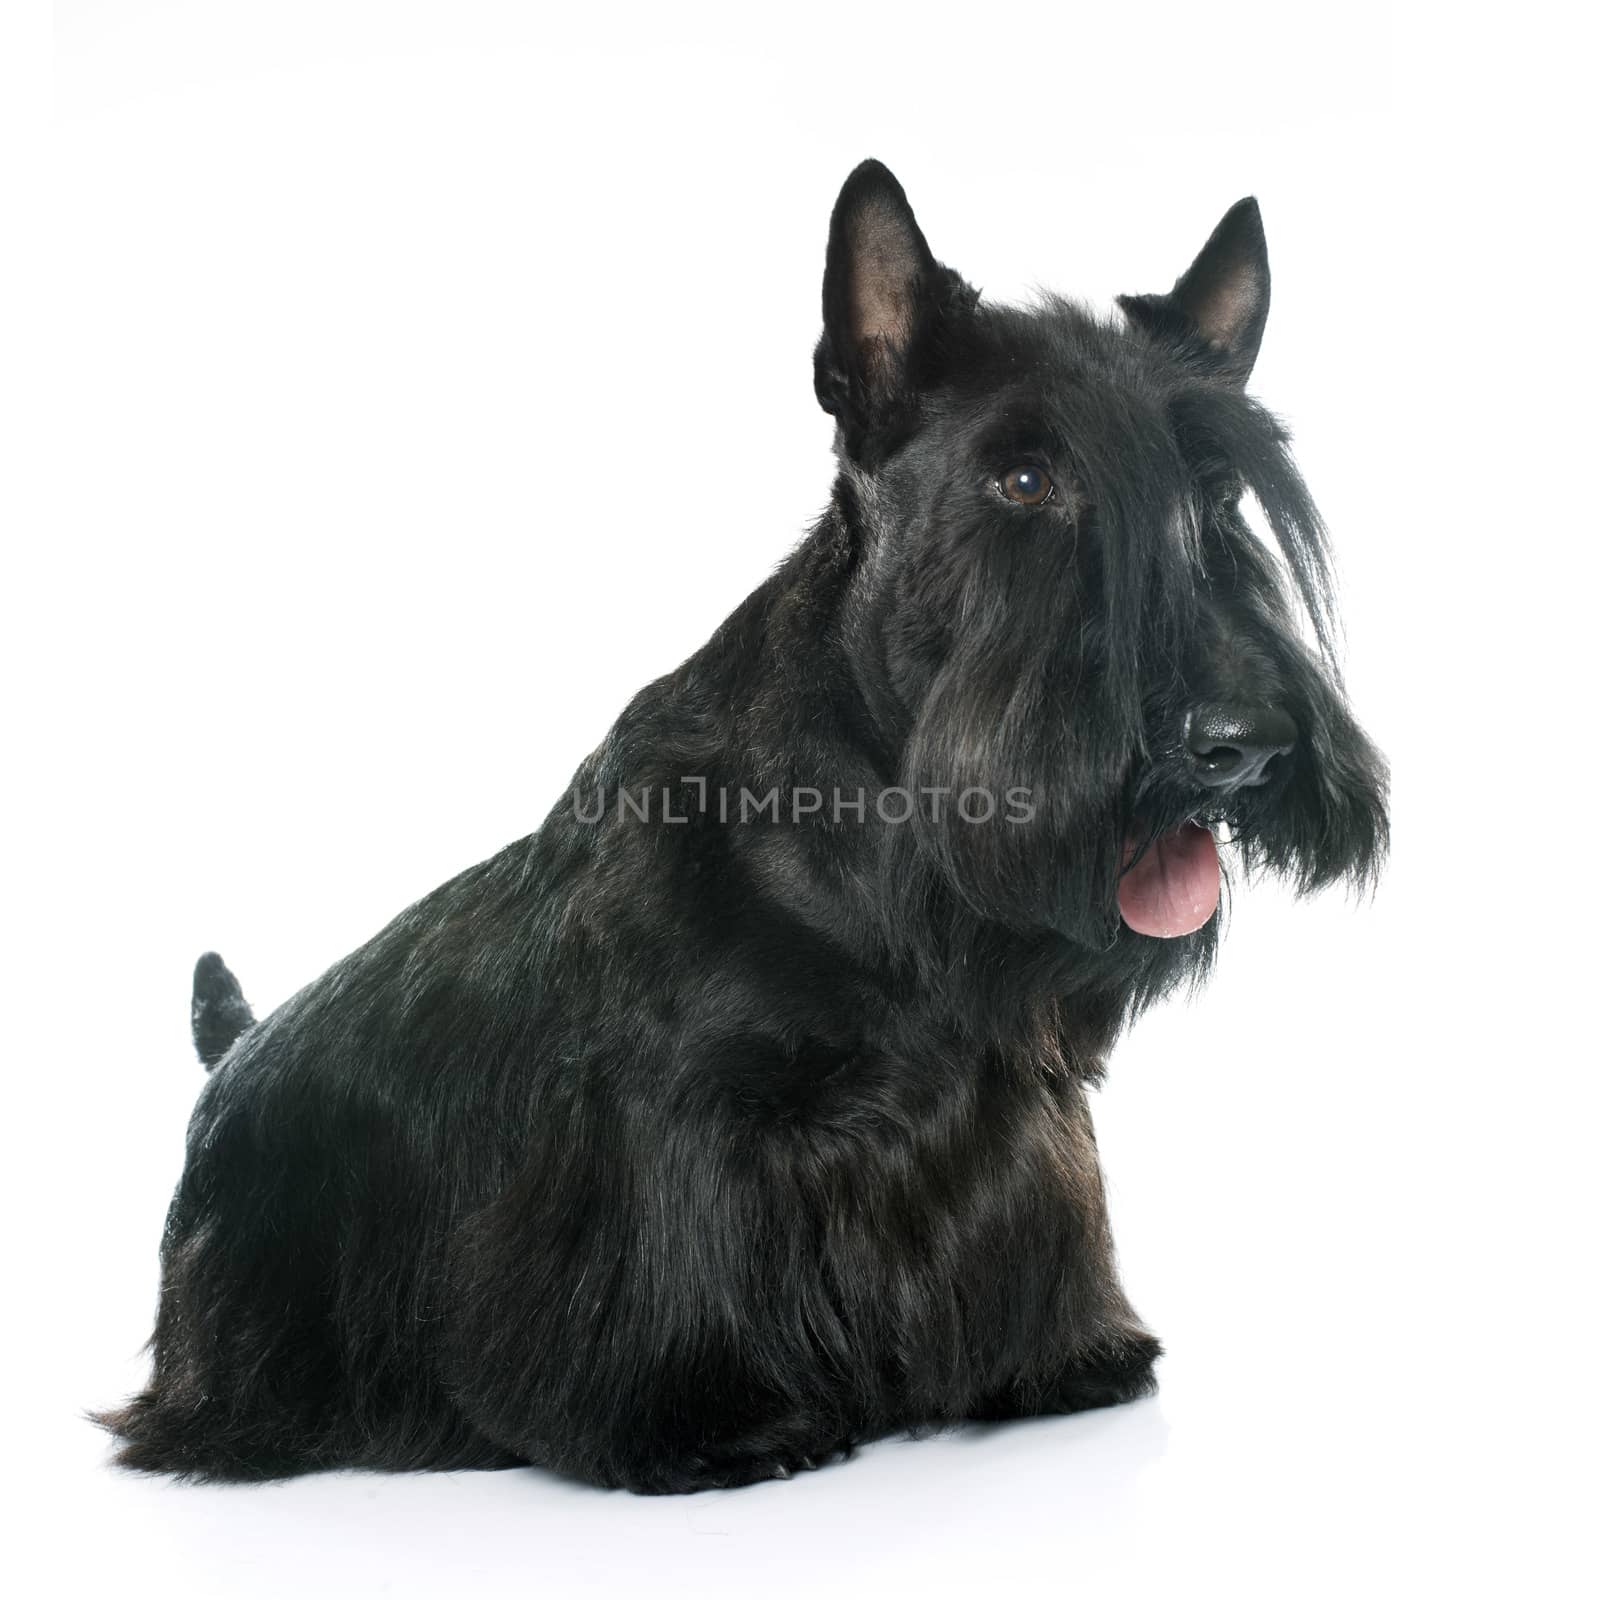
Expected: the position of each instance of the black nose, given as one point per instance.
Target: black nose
(1232, 744)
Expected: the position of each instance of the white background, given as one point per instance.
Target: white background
(410, 383)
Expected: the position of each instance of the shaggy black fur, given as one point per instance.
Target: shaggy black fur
(676, 1153)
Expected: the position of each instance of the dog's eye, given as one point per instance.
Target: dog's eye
(1027, 486)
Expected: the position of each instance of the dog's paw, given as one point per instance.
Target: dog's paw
(725, 1470)
(1107, 1373)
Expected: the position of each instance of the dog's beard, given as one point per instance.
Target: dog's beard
(1327, 824)
(1051, 855)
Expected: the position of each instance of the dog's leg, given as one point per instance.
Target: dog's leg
(1103, 1355)
(635, 1322)
(242, 1384)
(254, 1380)
(289, 1337)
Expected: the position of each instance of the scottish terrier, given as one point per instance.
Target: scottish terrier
(741, 1113)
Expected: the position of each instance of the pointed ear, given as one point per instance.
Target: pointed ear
(880, 291)
(1223, 296)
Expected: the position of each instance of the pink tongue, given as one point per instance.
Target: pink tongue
(1174, 888)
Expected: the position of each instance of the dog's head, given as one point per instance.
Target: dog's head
(1058, 596)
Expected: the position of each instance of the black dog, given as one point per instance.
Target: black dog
(741, 1113)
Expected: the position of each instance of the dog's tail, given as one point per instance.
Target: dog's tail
(219, 1012)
